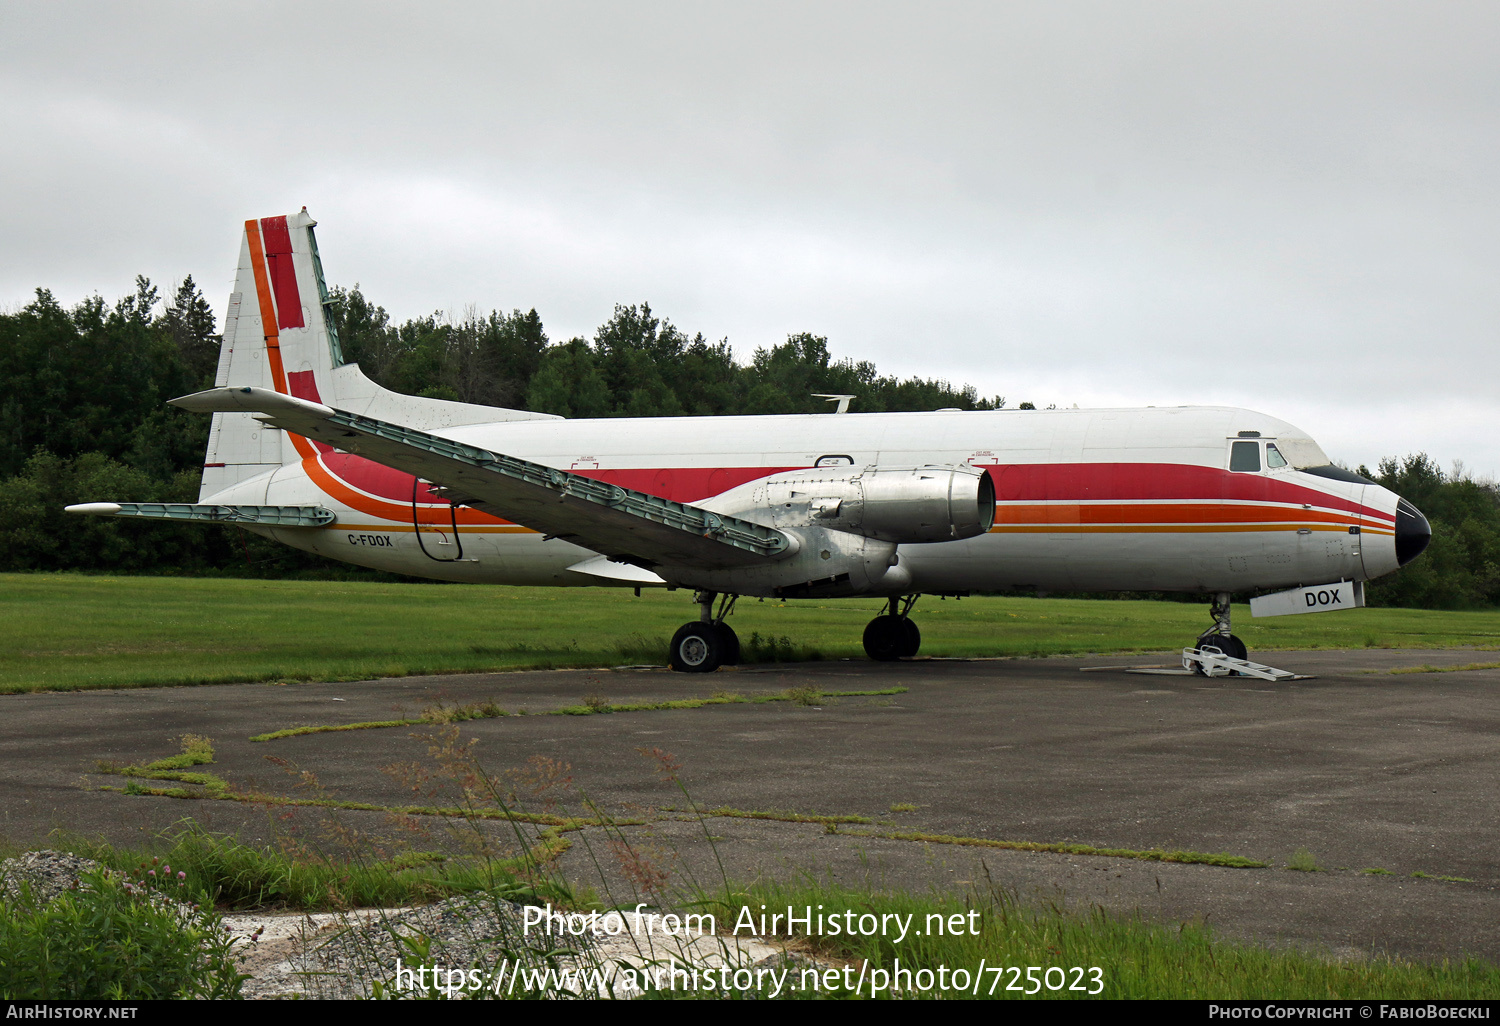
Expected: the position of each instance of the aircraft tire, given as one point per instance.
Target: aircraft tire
(731, 642)
(697, 647)
(1234, 648)
(911, 638)
(885, 638)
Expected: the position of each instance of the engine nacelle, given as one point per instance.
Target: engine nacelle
(824, 564)
(905, 505)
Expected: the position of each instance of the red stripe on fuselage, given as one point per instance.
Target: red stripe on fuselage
(303, 385)
(1058, 483)
(376, 479)
(282, 272)
(1082, 482)
(682, 484)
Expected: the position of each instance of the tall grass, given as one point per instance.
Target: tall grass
(117, 936)
(238, 877)
(1137, 958)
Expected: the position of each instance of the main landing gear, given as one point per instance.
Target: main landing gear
(1219, 636)
(708, 642)
(893, 635)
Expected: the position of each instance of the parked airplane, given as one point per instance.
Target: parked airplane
(308, 451)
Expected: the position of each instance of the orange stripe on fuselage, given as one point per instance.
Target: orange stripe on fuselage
(468, 529)
(397, 512)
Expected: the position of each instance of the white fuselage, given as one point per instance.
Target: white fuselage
(1086, 500)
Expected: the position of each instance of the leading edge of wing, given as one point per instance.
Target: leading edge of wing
(623, 524)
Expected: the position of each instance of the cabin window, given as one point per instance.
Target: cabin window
(1274, 459)
(1244, 457)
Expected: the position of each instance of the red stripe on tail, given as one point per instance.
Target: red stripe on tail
(282, 272)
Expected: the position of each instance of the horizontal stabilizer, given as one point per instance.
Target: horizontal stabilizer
(274, 516)
(246, 400)
(625, 525)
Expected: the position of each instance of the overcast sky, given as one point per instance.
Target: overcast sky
(1285, 206)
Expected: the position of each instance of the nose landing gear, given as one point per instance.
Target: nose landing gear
(708, 642)
(893, 635)
(1219, 635)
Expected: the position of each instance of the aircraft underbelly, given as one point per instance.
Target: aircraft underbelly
(1190, 561)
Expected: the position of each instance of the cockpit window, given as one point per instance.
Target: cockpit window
(1274, 459)
(1301, 452)
(1244, 457)
(1334, 473)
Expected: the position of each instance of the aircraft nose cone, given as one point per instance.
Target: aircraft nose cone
(1413, 532)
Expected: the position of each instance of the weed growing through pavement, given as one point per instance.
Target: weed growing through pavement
(771, 649)
(1303, 862)
(440, 714)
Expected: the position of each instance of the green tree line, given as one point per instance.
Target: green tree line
(636, 365)
(83, 417)
(1461, 566)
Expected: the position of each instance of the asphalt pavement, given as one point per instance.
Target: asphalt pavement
(1359, 769)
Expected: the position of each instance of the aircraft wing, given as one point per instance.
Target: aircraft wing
(625, 525)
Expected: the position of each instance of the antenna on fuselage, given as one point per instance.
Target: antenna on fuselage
(842, 400)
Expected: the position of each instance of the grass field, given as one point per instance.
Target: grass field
(66, 631)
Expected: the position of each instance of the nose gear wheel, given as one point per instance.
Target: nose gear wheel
(1218, 636)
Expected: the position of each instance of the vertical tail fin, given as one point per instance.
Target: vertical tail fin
(279, 333)
(276, 335)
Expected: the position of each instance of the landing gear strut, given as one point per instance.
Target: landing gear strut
(893, 635)
(1219, 635)
(708, 642)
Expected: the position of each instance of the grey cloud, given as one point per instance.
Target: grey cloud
(1282, 205)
